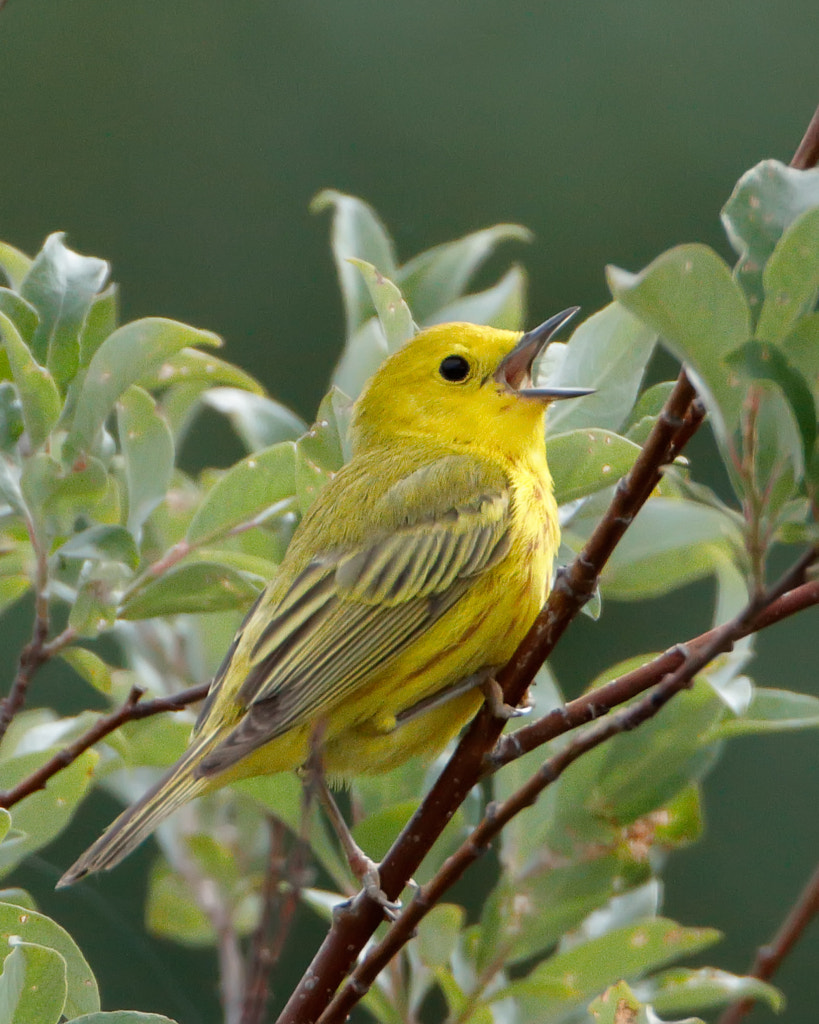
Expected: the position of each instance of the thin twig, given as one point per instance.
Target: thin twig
(807, 153)
(681, 416)
(497, 816)
(280, 900)
(132, 709)
(769, 957)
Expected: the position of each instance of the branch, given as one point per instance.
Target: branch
(691, 661)
(599, 702)
(34, 654)
(352, 927)
(278, 911)
(132, 709)
(807, 153)
(769, 958)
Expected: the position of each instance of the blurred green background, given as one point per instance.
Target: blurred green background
(183, 142)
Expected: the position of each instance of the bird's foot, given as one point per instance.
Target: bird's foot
(496, 704)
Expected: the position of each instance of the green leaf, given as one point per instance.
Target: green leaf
(438, 934)
(439, 276)
(258, 420)
(608, 352)
(194, 587)
(14, 264)
(393, 312)
(101, 544)
(801, 349)
(32, 985)
(690, 298)
(771, 710)
(40, 817)
(11, 416)
(765, 201)
(49, 488)
(571, 978)
(148, 448)
(320, 452)
(503, 305)
(257, 484)
(5, 823)
(672, 542)
(61, 285)
(89, 666)
(585, 461)
(39, 397)
(619, 1005)
(760, 360)
(21, 313)
(102, 320)
(364, 352)
(357, 232)
(534, 911)
(791, 278)
(82, 995)
(122, 359)
(171, 910)
(681, 990)
(122, 1017)
(190, 366)
(10, 486)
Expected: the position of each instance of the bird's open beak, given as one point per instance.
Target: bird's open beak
(515, 369)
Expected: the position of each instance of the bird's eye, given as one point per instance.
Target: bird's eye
(454, 368)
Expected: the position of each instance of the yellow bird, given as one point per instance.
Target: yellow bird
(410, 581)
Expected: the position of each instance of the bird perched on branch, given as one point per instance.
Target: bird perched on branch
(408, 584)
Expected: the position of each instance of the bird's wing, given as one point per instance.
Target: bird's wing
(351, 610)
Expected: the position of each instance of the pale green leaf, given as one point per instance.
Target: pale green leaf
(89, 666)
(585, 461)
(683, 989)
(127, 355)
(357, 232)
(40, 817)
(14, 264)
(258, 420)
(191, 587)
(364, 352)
(771, 710)
(39, 397)
(148, 449)
(765, 201)
(32, 985)
(82, 994)
(11, 416)
(393, 312)
(21, 313)
(791, 278)
(439, 276)
(438, 934)
(61, 285)
(101, 543)
(257, 484)
(102, 320)
(571, 978)
(608, 352)
(690, 298)
(122, 1017)
(503, 305)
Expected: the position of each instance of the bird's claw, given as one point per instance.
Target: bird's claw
(496, 704)
(371, 881)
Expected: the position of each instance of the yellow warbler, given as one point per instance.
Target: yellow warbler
(414, 575)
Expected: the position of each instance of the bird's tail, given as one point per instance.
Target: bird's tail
(180, 784)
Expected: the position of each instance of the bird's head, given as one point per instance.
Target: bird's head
(461, 385)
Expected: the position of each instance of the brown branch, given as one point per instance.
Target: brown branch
(600, 701)
(278, 912)
(353, 926)
(34, 654)
(497, 816)
(769, 957)
(807, 153)
(132, 709)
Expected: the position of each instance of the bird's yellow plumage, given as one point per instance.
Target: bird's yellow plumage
(414, 575)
